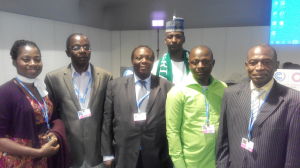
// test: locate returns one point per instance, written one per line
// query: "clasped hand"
(50, 147)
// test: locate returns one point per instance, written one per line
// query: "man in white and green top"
(192, 113)
(174, 64)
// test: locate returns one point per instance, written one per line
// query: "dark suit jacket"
(130, 137)
(276, 131)
(84, 136)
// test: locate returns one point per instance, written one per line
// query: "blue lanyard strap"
(83, 98)
(43, 106)
(204, 91)
(251, 120)
(139, 102)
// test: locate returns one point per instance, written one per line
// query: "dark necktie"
(141, 96)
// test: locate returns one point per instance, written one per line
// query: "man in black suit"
(260, 119)
(134, 117)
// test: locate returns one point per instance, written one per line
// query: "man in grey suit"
(134, 117)
(260, 119)
(78, 93)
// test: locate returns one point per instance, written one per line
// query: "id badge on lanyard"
(207, 128)
(247, 144)
(140, 115)
(84, 113)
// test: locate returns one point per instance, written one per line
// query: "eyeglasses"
(78, 47)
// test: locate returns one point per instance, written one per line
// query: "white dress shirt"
(266, 89)
(82, 83)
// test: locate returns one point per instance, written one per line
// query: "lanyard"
(77, 92)
(204, 91)
(43, 106)
(139, 102)
(251, 120)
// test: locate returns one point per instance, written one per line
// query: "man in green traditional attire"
(192, 113)
(174, 64)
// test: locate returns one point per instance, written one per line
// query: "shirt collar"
(75, 73)
(136, 79)
(190, 80)
(267, 87)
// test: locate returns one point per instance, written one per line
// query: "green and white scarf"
(164, 67)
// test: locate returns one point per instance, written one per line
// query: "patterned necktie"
(255, 103)
(141, 96)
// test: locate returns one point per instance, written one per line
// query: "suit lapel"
(70, 87)
(130, 93)
(95, 85)
(273, 101)
(154, 87)
(244, 100)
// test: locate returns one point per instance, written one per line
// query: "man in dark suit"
(134, 117)
(78, 92)
(259, 123)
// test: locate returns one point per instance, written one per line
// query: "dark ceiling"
(137, 14)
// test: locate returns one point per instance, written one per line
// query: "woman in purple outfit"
(30, 137)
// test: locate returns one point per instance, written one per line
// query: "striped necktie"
(256, 103)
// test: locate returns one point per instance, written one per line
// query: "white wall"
(229, 45)
(112, 49)
(50, 36)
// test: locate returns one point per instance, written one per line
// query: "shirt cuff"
(107, 158)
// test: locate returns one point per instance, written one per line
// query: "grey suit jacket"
(130, 137)
(84, 136)
(276, 131)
